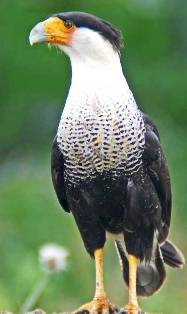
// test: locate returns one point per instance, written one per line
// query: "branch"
(42, 312)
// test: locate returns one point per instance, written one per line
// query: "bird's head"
(77, 33)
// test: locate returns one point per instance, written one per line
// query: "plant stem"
(32, 299)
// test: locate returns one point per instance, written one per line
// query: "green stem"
(32, 299)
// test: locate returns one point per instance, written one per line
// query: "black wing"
(57, 172)
(156, 165)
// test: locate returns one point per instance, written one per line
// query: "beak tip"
(37, 34)
(31, 41)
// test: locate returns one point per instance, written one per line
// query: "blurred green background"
(33, 87)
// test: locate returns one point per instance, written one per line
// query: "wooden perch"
(42, 312)
(38, 311)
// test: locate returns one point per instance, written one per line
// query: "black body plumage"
(137, 205)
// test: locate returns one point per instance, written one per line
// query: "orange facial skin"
(57, 32)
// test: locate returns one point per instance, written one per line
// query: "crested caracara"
(108, 166)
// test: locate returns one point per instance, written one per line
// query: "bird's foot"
(99, 305)
(131, 309)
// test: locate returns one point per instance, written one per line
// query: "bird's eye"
(68, 23)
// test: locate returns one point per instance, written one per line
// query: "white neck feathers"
(94, 61)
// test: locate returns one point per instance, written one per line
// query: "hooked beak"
(37, 34)
(53, 31)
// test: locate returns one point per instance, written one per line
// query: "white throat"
(96, 65)
(100, 81)
(94, 73)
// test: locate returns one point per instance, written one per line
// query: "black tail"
(172, 255)
(151, 276)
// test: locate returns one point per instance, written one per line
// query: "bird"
(108, 166)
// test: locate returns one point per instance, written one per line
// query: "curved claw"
(127, 310)
(97, 306)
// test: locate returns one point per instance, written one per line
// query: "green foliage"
(33, 83)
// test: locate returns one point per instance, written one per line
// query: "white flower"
(52, 257)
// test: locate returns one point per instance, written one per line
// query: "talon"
(100, 305)
(131, 309)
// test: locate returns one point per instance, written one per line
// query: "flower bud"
(52, 257)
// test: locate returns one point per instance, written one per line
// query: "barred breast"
(107, 136)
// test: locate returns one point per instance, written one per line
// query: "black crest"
(107, 30)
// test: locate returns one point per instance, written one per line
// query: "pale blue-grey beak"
(37, 34)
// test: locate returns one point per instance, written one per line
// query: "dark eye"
(68, 23)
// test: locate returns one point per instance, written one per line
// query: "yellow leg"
(132, 306)
(99, 290)
(100, 303)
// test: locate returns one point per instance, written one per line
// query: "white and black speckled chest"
(101, 134)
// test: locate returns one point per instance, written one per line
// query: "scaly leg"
(100, 303)
(99, 290)
(132, 306)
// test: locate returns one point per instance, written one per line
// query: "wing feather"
(57, 172)
(156, 165)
